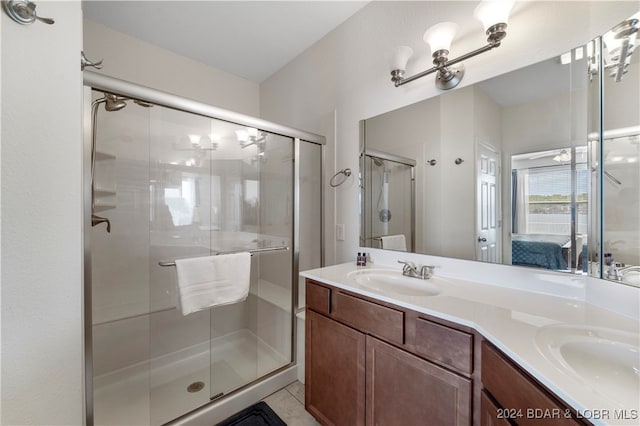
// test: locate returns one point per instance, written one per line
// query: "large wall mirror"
(519, 169)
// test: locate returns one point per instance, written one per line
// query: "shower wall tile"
(120, 344)
(170, 331)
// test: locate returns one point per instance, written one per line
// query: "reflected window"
(251, 202)
(181, 202)
(541, 202)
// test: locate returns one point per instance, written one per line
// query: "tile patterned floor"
(288, 404)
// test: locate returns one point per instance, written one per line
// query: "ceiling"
(251, 39)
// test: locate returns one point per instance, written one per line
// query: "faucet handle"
(426, 271)
(409, 268)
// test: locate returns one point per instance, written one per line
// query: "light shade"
(400, 58)
(439, 36)
(252, 132)
(563, 156)
(242, 135)
(491, 12)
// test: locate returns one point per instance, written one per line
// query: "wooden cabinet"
(519, 398)
(403, 389)
(335, 371)
(361, 368)
(490, 413)
(375, 363)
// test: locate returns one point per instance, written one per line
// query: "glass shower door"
(252, 210)
(179, 215)
(388, 203)
(120, 275)
(216, 188)
(172, 185)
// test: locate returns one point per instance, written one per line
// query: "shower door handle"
(97, 220)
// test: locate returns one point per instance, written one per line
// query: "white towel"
(208, 281)
(394, 242)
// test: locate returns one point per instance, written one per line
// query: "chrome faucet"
(613, 273)
(410, 270)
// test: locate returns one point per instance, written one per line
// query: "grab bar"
(252, 251)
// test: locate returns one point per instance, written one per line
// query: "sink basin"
(631, 277)
(605, 360)
(388, 281)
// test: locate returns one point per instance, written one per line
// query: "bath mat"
(259, 414)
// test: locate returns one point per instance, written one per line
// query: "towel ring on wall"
(345, 172)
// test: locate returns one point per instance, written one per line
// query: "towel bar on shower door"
(252, 251)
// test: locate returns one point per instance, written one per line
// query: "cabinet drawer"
(378, 320)
(318, 298)
(450, 347)
(514, 391)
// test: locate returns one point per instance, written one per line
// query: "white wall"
(347, 72)
(41, 216)
(143, 63)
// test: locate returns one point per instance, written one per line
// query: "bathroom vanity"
(386, 349)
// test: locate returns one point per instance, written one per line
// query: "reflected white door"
(488, 221)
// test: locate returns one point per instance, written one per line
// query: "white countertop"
(517, 320)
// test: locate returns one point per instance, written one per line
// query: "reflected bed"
(543, 251)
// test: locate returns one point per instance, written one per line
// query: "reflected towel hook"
(345, 172)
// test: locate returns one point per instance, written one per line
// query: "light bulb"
(252, 132)
(565, 58)
(242, 135)
(440, 36)
(401, 57)
(492, 12)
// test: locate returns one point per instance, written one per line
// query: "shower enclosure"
(614, 149)
(388, 199)
(170, 179)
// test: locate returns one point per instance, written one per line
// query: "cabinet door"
(403, 389)
(334, 372)
(527, 403)
(490, 412)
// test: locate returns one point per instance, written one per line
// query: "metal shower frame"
(100, 82)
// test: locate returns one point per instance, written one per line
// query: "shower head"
(378, 162)
(114, 103)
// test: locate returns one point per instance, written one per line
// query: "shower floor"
(155, 392)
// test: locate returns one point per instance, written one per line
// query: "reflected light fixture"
(493, 14)
(620, 43)
(563, 156)
(251, 136)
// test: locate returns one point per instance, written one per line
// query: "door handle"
(482, 240)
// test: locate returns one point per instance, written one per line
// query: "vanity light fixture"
(493, 14)
(250, 136)
(563, 156)
(620, 43)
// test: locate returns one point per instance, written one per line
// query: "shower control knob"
(482, 240)
(24, 12)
